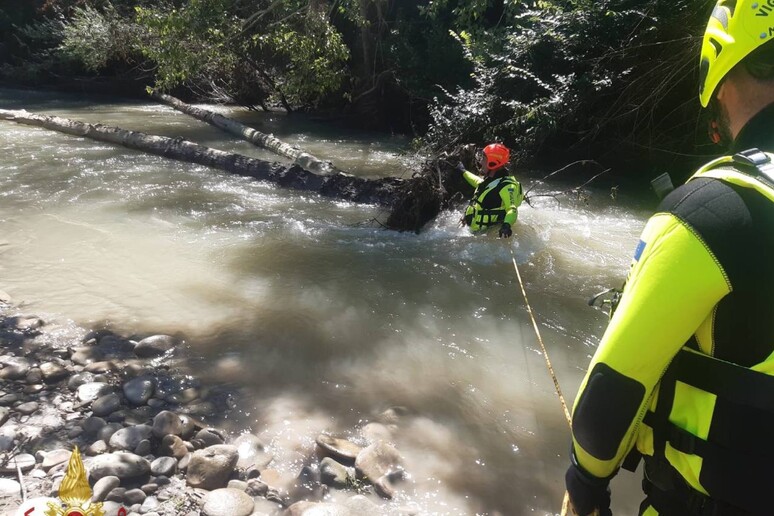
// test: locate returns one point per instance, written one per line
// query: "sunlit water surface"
(318, 320)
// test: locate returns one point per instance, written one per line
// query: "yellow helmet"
(736, 28)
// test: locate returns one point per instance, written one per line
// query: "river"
(319, 320)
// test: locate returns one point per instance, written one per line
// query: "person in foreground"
(684, 374)
(497, 196)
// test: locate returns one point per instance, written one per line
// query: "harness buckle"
(758, 159)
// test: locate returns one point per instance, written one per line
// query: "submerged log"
(413, 202)
(266, 141)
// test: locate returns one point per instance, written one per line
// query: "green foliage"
(189, 42)
(579, 75)
(93, 38)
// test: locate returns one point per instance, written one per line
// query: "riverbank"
(151, 434)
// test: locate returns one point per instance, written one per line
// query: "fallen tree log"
(266, 141)
(412, 202)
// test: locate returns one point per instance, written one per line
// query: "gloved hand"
(587, 493)
(505, 230)
(461, 167)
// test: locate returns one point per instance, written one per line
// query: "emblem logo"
(75, 492)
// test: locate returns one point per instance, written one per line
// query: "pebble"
(227, 502)
(5, 413)
(35, 375)
(187, 426)
(116, 495)
(376, 462)
(143, 448)
(14, 371)
(9, 399)
(87, 355)
(33, 389)
(102, 367)
(134, 496)
(96, 448)
(92, 425)
(112, 344)
(107, 431)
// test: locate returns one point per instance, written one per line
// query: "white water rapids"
(318, 321)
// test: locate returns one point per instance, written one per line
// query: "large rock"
(227, 502)
(126, 466)
(154, 346)
(211, 467)
(55, 458)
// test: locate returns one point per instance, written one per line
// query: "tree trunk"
(412, 202)
(267, 141)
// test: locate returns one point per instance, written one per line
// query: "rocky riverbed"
(149, 435)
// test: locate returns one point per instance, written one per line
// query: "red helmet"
(497, 156)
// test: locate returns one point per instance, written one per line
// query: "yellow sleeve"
(511, 197)
(674, 283)
(472, 179)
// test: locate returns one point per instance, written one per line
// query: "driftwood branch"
(266, 141)
(342, 186)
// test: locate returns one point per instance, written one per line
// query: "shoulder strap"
(752, 168)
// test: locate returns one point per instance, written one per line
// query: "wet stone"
(313, 509)
(79, 379)
(252, 452)
(87, 355)
(107, 431)
(14, 371)
(9, 399)
(92, 390)
(154, 346)
(339, 449)
(92, 425)
(166, 423)
(139, 390)
(173, 446)
(210, 437)
(335, 474)
(112, 344)
(34, 375)
(211, 467)
(377, 461)
(106, 404)
(143, 448)
(102, 367)
(27, 408)
(53, 372)
(227, 502)
(163, 466)
(33, 389)
(187, 426)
